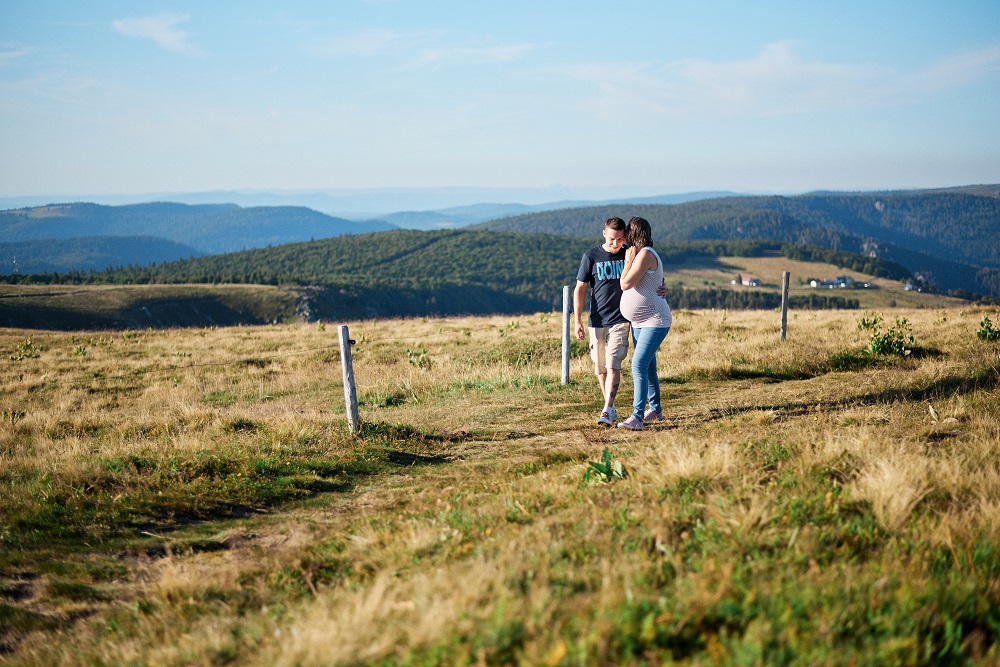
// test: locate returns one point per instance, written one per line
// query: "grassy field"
(193, 497)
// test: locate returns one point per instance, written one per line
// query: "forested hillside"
(210, 228)
(408, 272)
(86, 253)
(951, 239)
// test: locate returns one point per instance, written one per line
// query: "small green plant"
(893, 341)
(80, 351)
(869, 321)
(987, 332)
(418, 359)
(26, 349)
(604, 470)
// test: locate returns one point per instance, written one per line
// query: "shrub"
(893, 341)
(987, 331)
(26, 349)
(869, 321)
(897, 340)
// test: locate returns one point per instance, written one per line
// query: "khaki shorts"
(608, 346)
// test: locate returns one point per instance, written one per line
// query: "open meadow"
(194, 497)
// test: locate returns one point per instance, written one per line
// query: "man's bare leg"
(602, 379)
(609, 385)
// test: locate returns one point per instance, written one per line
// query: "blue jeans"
(647, 383)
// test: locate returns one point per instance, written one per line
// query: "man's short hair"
(615, 223)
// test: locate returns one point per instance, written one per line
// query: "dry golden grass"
(778, 500)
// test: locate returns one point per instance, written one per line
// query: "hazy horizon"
(359, 203)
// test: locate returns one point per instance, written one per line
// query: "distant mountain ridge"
(948, 238)
(463, 216)
(355, 203)
(208, 228)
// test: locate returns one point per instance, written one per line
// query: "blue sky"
(646, 97)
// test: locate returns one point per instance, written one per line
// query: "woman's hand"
(632, 272)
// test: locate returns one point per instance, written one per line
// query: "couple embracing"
(625, 276)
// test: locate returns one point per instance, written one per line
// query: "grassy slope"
(718, 272)
(192, 497)
(141, 306)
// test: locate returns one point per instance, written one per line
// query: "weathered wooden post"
(350, 391)
(784, 303)
(565, 334)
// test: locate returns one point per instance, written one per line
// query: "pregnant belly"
(633, 305)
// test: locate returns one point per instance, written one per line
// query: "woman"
(650, 318)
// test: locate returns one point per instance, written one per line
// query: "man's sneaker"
(608, 416)
(633, 423)
(652, 416)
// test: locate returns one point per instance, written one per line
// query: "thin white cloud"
(957, 70)
(285, 22)
(376, 42)
(419, 48)
(775, 82)
(7, 57)
(162, 30)
(475, 55)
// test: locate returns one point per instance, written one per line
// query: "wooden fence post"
(565, 334)
(350, 391)
(784, 303)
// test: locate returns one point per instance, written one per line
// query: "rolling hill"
(88, 253)
(407, 273)
(950, 239)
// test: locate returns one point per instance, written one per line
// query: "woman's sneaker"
(633, 423)
(652, 416)
(608, 416)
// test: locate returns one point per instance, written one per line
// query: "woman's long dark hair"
(638, 234)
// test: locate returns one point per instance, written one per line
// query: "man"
(600, 269)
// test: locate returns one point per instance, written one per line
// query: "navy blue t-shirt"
(603, 271)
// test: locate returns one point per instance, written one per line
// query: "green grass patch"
(495, 384)
(123, 496)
